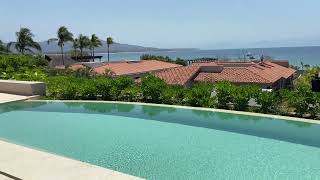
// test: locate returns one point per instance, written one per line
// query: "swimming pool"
(166, 142)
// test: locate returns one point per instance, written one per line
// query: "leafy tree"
(152, 87)
(63, 36)
(24, 41)
(305, 101)
(109, 42)
(200, 95)
(94, 42)
(306, 77)
(84, 42)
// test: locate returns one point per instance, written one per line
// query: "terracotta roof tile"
(235, 75)
(179, 75)
(135, 67)
(262, 73)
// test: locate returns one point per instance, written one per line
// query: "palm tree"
(63, 36)
(75, 46)
(84, 42)
(94, 42)
(24, 41)
(109, 42)
(302, 65)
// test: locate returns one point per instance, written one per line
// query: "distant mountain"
(116, 47)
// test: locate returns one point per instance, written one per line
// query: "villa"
(266, 74)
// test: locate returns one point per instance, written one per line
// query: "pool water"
(166, 143)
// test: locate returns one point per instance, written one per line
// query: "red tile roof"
(232, 74)
(75, 67)
(179, 75)
(261, 73)
(134, 67)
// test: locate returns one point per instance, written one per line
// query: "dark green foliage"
(200, 95)
(152, 87)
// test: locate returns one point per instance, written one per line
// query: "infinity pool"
(165, 142)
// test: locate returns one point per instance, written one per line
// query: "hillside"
(117, 47)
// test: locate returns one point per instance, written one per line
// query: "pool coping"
(7, 98)
(28, 163)
(272, 116)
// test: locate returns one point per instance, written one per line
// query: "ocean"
(295, 55)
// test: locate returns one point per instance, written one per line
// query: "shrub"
(104, 86)
(241, 96)
(304, 101)
(120, 83)
(269, 101)
(200, 95)
(224, 91)
(62, 87)
(152, 88)
(22, 67)
(131, 94)
(87, 89)
(173, 95)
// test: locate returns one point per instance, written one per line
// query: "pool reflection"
(290, 131)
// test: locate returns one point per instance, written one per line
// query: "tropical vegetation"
(83, 84)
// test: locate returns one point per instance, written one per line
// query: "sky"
(205, 24)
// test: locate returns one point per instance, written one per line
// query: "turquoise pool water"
(166, 143)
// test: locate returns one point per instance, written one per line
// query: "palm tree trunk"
(93, 54)
(62, 54)
(108, 53)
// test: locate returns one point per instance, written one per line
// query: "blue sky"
(206, 24)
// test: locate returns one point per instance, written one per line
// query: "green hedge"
(154, 90)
